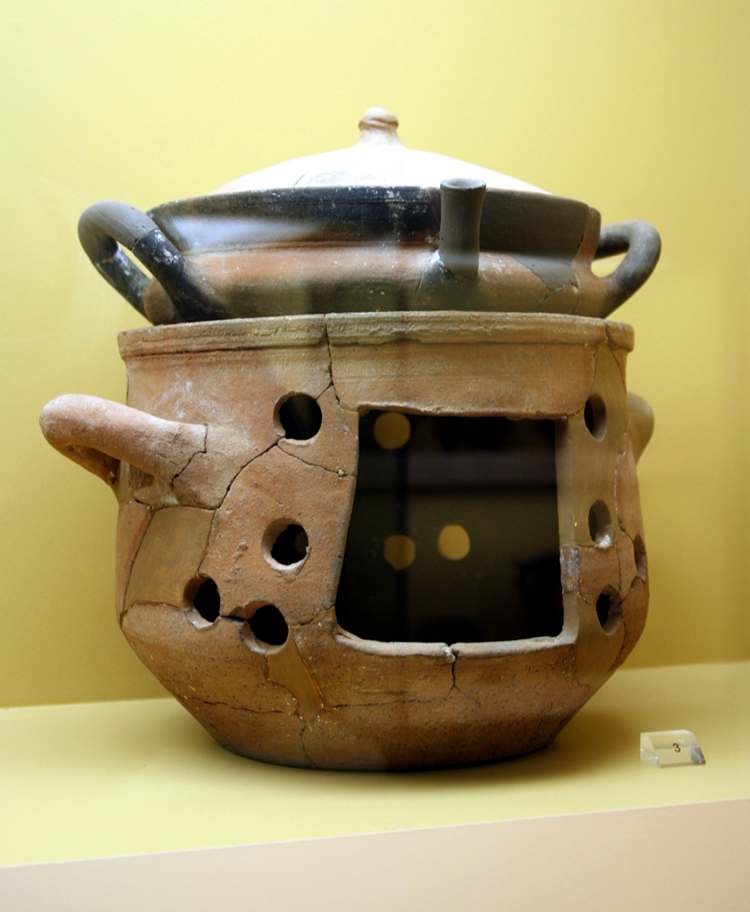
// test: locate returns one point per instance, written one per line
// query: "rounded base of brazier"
(377, 706)
(398, 759)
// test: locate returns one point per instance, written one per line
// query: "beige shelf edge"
(105, 779)
(615, 860)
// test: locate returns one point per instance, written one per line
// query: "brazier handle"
(642, 244)
(641, 419)
(99, 434)
(106, 225)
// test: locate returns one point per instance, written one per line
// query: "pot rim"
(511, 220)
(429, 327)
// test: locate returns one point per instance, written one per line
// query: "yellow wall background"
(639, 108)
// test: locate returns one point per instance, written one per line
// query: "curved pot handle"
(642, 244)
(99, 434)
(105, 225)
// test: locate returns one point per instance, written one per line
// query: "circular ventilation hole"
(600, 524)
(641, 562)
(300, 417)
(391, 430)
(268, 627)
(203, 601)
(287, 543)
(454, 543)
(595, 417)
(608, 610)
(399, 551)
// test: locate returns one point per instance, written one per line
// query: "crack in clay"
(339, 472)
(265, 712)
(295, 712)
(126, 586)
(620, 579)
(231, 349)
(215, 510)
(302, 732)
(594, 549)
(530, 271)
(636, 575)
(528, 266)
(611, 345)
(609, 332)
(404, 699)
(241, 469)
(236, 708)
(398, 694)
(329, 346)
(272, 683)
(553, 291)
(406, 702)
(192, 456)
(145, 603)
(168, 485)
(620, 458)
(308, 694)
(454, 670)
(330, 384)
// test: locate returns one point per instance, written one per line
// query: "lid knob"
(378, 125)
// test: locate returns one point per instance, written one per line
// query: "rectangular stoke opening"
(454, 531)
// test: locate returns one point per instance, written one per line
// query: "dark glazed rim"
(512, 221)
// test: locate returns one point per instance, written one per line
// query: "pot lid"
(377, 159)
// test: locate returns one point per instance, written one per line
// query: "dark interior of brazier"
(454, 532)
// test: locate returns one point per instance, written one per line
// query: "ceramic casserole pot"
(376, 227)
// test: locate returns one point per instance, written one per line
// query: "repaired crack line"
(329, 346)
(192, 456)
(125, 606)
(236, 708)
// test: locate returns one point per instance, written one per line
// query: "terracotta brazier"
(397, 524)
(207, 487)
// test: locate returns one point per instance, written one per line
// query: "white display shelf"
(93, 781)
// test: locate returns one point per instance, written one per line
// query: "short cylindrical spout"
(461, 201)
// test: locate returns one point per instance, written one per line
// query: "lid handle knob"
(378, 125)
